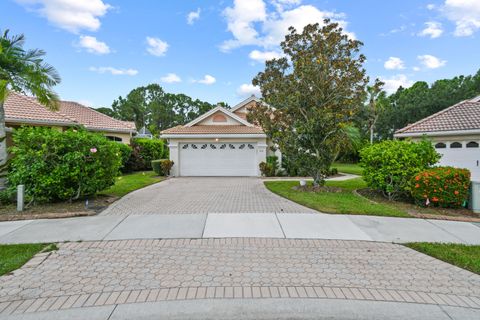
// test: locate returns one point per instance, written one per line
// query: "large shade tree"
(151, 106)
(311, 95)
(23, 71)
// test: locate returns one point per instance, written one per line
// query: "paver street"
(118, 272)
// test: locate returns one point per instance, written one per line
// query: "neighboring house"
(144, 133)
(455, 133)
(21, 110)
(220, 142)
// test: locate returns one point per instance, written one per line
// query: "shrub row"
(162, 167)
(144, 151)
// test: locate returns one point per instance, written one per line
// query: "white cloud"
(432, 29)
(171, 78)
(93, 45)
(393, 83)
(156, 47)
(71, 15)
(431, 62)
(248, 89)
(251, 24)
(262, 56)
(240, 22)
(416, 68)
(114, 71)
(431, 6)
(465, 14)
(192, 16)
(394, 63)
(207, 79)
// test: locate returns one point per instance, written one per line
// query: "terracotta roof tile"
(23, 109)
(93, 119)
(461, 116)
(213, 129)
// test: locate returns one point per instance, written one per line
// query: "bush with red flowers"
(445, 187)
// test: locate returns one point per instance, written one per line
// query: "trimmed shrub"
(157, 167)
(267, 169)
(55, 165)
(273, 161)
(166, 165)
(125, 152)
(445, 187)
(144, 151)
(389, 166)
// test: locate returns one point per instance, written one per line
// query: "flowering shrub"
(144, 151)
(55, 165)
(162, 167)
(442, 186)
(389, 166)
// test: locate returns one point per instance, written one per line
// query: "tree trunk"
(3, 149)
(371, 134)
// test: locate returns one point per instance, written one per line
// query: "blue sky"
(212, 49)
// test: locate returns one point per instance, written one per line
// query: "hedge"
(144, 151)
(55, 165)
(389, 166)
(442, 186)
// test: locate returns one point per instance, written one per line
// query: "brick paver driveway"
(205, 195)
(117, 272)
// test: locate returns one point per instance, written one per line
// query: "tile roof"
(213, 129)
(93, 119)
(23, 109)
(464, 115)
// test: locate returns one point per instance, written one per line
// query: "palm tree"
(23, 71)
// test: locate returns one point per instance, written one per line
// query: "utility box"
(475, 197)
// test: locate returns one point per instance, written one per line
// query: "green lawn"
(342, 202)
(131, 182)
(351, 168)
(463, 256)
(13, 256)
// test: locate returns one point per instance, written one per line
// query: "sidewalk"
(244, 225)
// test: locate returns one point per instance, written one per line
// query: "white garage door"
(218, 159)
(462, 157)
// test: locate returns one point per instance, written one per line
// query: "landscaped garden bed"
(123, 185)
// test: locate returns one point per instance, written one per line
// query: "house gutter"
(199, 136)
(437, 133)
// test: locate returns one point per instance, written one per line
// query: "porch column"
(174, 156)
(261, 154)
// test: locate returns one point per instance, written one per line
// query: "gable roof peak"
(221, 109)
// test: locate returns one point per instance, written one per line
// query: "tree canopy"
(312, 93)
(158, 110)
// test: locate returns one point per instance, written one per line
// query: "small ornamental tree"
(55, 165)
(389, 166)
(312, 93)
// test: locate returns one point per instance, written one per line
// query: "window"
(113, 138)
(472, 144)
(440, 145)
(455, 145)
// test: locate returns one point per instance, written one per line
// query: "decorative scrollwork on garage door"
(242, 146)
(250, 146)
(223, 146)
(194, 146)
(204, 146)
(185, 146)
(213, 146)
(231, 146)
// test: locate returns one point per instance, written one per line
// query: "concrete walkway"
(244, 225)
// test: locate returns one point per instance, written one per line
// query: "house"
(220, 142)
(144, 133)
(455, 133)
(21, 110)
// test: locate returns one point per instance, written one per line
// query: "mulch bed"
(57, 210)
(460, 214)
